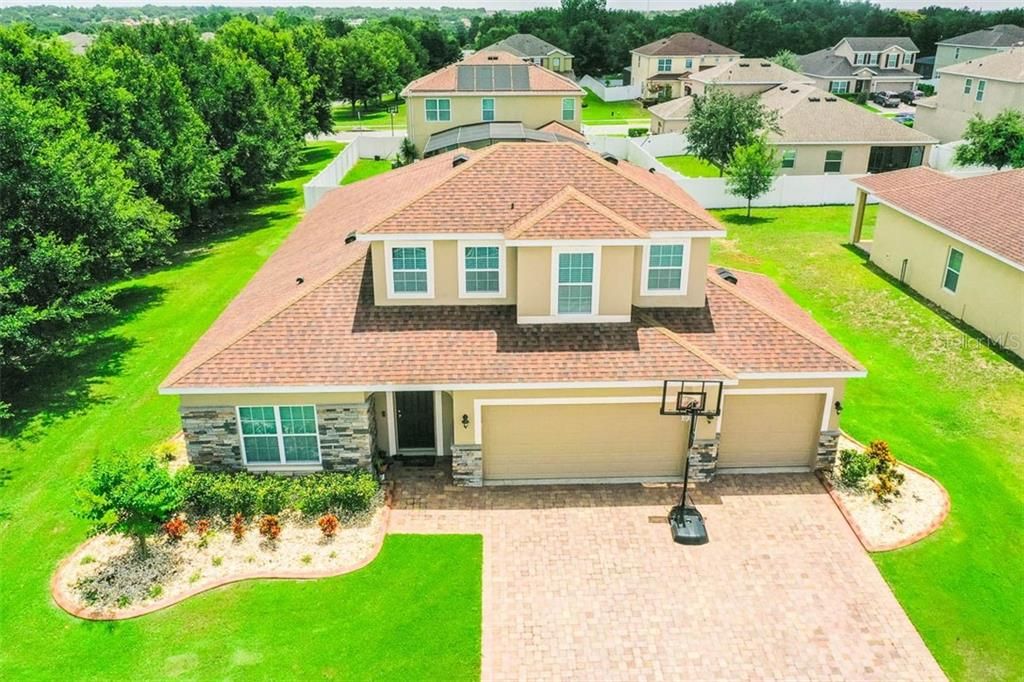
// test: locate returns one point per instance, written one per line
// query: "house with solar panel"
(489, 97)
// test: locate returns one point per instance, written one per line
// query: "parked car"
(888, 100)
(910, 97)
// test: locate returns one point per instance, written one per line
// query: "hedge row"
(224, 495)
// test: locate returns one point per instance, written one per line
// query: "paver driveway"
(584, 582)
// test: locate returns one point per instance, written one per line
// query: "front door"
(414, 420)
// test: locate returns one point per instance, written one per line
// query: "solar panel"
(503, 77)
(466, 78)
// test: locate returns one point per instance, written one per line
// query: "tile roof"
(1000, 35)
(1006, 66)
(571, 214)
(683, 45)
(880, 43)
(537, 79)
(559, 128)
(827, 63)
(984, 210)
(336, 336)
(747, 71)
(524, 45)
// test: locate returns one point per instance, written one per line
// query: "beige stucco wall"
(810, 158)
(644, 66)
(446, 278)
(954, 108)
(844, 50)
(700, 250)
(565, 61)
(660, 125)
(989, 295)
(534, 284)
(873, 86)
(533, 111)
(616, 289)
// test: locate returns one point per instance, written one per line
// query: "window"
(408, 271)
(574, 293)
(568, 109)
(664, 65)
(833, 161)
(956, 54)
(967, 86)
(481, 270)
(857, 57)
(487, 109)
(557, 62)
(892, 61)
(689, 63)
(910, 58)
(980, 94)
(439, 109)
(839, 87)
(279, 435)
(664, 269)
(954, 263)
(788, 158)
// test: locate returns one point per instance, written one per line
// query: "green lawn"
(690, 166)
(596, 112)
(365, 168)
(945, 403)
(414, 613)
(376, 117)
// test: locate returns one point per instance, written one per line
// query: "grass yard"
(412, 614)
(365, 168)
(945, 403)
(597, 112)
(375, 117)
(690, 166)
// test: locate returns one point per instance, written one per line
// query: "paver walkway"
(584, 582)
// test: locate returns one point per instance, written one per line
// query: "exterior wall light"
(465, 421)
(839, 407)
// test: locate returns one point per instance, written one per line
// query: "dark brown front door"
(415, 420)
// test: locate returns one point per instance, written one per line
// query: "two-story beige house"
(468, 103)
(986, 86)
(515, 309)
(662, 66)
(863, 64)
(537, 51)
(977, 44)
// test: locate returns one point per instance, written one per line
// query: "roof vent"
(812, 98)
(350, 237)
(727, 275)
(744, 65)
(492, 57)
(830, 99)
(766, 64)
(652, 170)
(610, 158)
(783, 87)
(795, 90)
(299, 280)
(459, 160)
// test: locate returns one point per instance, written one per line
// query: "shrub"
(307, 559)
(854, 467)
(155, 591)
(348, 493)
(238, 526)
(637, 132)
(888, 477)
(862, 97)
(328, 525)
(165, 452)
(202, 527)
(176, 528)
(270, 527)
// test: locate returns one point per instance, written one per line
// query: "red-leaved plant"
(270, 527)
(328, 525)
(238, 526)
(176, 528)
(202, 527)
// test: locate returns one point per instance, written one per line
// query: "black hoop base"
(687, 526)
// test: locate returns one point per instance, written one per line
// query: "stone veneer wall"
(828, 444)
(467, 465)
(704, 459)
(348, 434)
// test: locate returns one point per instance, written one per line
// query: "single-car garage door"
(620, 440)
(778, 430)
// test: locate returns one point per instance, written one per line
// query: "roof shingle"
(538, 79)
(684, 45)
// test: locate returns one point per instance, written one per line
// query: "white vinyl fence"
(605, 93)
(362, 147)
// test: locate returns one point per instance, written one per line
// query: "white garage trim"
(438, 425)
(392, 429)
(480, 403)
(826, 411)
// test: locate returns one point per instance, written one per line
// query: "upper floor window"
(788, 158)
(954, 263)
(284, 434)
(910, 58)
(575, 282)
(439, 109)
(481, 270)
(487, 109)
(664, 65)
(968, 83)
(872, 58)
(833, 161)
(568, 109)
(408, 270)
(980, 94)
(689, 63)
(557, 63)
(892, 61)
(956, 53)
(664, 269)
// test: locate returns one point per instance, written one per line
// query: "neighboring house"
(863, 65)
(517, 309)
(820, 133)
(533, 49)
(488, 87)
(986, 86)
(959, 242)
(79, 42)
(977, 44)
(925, 66)
(662, 66)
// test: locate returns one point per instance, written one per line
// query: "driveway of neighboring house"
(584, 582)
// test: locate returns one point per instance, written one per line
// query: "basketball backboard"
(687, 397)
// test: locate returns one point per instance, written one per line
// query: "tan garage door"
(770, 430)
(619, 440)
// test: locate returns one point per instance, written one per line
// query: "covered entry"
(581, 441)
(770, 430)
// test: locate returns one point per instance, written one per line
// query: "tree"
(786, 60)
(997, 142)
(752, 170)
(720, 122)
(407, 153)
(126, 494)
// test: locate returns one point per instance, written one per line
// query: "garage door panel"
(770, 430)
(620, 440)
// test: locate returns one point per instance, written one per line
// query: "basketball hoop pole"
(691, 432)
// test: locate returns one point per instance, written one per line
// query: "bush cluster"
(224, 495)
(854, 467)
(637, 132)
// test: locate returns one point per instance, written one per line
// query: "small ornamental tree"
(997, 142)
(786, 60)
(752, 171)
(720, 122)
(128, 494)
(407, 153)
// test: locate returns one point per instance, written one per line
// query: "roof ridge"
(703, 355)
(721, 284)
(269, 316)
(559, 199)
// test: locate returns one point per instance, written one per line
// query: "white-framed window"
(910, 57)
(872, 58)
(968, 84)
(857, 56)
(665, 269)
(839, 87)
(575, 276)
(956, 54)
(568, 109)
(689, 62)
(486, 108)
(788, 158)
(954, 264)
(410, 270)
(664, 65)
(892, 61)
(279, 434)
(438, 109)
(980, 93)
(833, 161)
(557, 63)
(481, 270)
